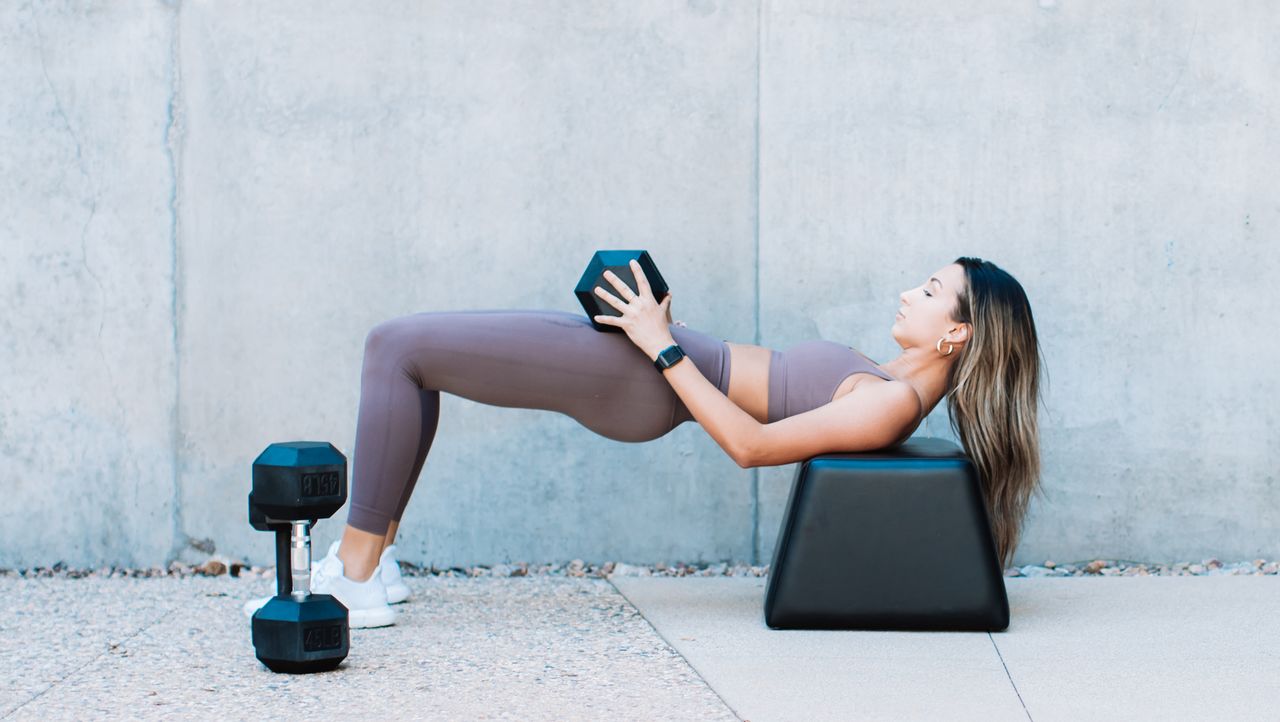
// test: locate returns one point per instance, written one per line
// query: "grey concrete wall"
(88, 361)
(206, 206)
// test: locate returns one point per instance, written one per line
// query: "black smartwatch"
(668, 357)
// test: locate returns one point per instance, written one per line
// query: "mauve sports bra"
(807, 375)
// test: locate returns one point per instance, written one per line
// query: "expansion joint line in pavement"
(672, 647)
(1010, 676)
(110, 646)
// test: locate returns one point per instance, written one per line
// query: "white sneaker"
(366, 601)
(389, 569)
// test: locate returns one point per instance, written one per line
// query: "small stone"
(520, 571)
(1196, 569)
(213, 568)
(1213, 563)
(628, 570)
(1095, 566)
(1032, 570)
(1049, 564)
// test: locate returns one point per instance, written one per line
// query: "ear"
(960, 334)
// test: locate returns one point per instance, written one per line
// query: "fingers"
(609, 298)
(618, 283)
(641, 282)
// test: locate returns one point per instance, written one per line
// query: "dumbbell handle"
(301, 561)
(293, 552)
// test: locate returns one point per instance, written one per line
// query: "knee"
(387, 349)
(381, 338)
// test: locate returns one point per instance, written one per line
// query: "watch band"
(668, 357)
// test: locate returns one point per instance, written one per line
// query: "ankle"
(359, 552)
(357, 569)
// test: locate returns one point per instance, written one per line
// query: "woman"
(967, 333)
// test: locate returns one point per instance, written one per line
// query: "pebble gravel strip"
(218, 566)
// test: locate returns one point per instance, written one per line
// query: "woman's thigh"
(541, 359)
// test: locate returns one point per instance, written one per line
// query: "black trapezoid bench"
(895, 539)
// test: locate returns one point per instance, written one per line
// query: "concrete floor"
(546, 647)
(1084, 648)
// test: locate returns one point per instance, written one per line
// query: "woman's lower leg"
(395, 413)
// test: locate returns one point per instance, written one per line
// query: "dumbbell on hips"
(294, 484)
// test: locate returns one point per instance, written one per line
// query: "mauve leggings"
(532, 359)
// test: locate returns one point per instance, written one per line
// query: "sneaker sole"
(365, 618)
(397, 593)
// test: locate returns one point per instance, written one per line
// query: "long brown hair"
(994, 396)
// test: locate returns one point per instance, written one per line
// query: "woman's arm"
(729, 425)
(868, 417)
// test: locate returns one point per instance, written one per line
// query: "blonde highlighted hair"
(994, 395)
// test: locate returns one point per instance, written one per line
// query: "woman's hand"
(643, 318)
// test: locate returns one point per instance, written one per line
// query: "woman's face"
(925, 314)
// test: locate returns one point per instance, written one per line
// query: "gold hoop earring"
(950, 347)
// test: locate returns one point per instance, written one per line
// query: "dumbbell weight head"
(297, 636)
(297, 480)
(620, 263)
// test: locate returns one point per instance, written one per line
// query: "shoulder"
(896, 399)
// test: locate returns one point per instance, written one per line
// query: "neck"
(925, 371)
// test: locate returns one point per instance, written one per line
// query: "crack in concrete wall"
(173, 141)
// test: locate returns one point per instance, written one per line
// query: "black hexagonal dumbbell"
(295, 483)
(620, 263)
